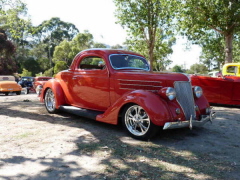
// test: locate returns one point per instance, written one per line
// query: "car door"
(90, 84)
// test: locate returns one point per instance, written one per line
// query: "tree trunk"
(151, 59)
(228, 48)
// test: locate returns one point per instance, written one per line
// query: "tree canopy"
(201, 19)
(147, 23)
(7, 50)
(152, 27)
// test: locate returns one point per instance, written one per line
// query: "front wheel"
(137, 123)
(50, 101)
(38, 89)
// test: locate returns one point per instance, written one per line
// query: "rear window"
(7, 78)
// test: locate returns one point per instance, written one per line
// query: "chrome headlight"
(171, 93)
(167, 93)
(198, 91)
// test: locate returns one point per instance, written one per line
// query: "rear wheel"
(6, 93)
(50, 101)
(137, 123)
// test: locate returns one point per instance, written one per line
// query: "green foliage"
(117, 46)
(25, 72)
(199, 20)
(13, 20)
(148, 23)
(67, 50)
(54, 31)
(160, 52)
(197, 69)
(59, 66)
(177, 68)
(99, 45)
(212, 55)
(48, 72)
(31, 64)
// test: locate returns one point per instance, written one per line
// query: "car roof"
(7, 78)
(109, 51)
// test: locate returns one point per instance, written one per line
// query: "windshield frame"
(130, 68)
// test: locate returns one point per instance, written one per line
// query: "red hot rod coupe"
(219, 90)
(116, 85)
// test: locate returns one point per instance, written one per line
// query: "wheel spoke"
(134, 126)
(142, 127)
(137, 121)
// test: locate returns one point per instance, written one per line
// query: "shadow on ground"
(211, 152)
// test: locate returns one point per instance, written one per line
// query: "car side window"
(232, 69)
(92, 62)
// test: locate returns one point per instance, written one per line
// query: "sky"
(97, 16)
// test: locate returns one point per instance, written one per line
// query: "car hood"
(151, 78)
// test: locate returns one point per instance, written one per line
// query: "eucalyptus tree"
(161, 49)
(13, 19)
(47, 36)
(202, 17)
(197, 69)
(54, 31)
(177, 68)
(236, 47)
(144, 20)
(117, 46)
(213, 48)
(67, 50)
(99, 45)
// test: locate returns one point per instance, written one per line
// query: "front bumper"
(39, 90)
(190, 123)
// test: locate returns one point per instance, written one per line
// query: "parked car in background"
(223, 87)
(116, 85)
(214, 73)
(39, 82)
(231, 69)
(9, 85)
(27, 83)
(219, 90)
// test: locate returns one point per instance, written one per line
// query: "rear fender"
(152, 104)
(57, 90)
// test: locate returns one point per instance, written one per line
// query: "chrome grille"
(185, 98)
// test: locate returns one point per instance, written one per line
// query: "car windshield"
(127, 61)
(27, 78)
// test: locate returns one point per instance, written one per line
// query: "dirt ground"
(36, 145)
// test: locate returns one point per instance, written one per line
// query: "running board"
(91, 114)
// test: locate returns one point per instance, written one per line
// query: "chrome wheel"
(50, 101)
(137, 121)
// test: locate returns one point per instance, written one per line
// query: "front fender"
(152, 104)
(57, 90)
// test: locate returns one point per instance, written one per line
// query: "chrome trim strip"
(138, 89)
(141, 85)
(139, 81)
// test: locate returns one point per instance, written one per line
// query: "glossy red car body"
(38, 83)
(40, 80)
(107, 90)
(219, 90)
